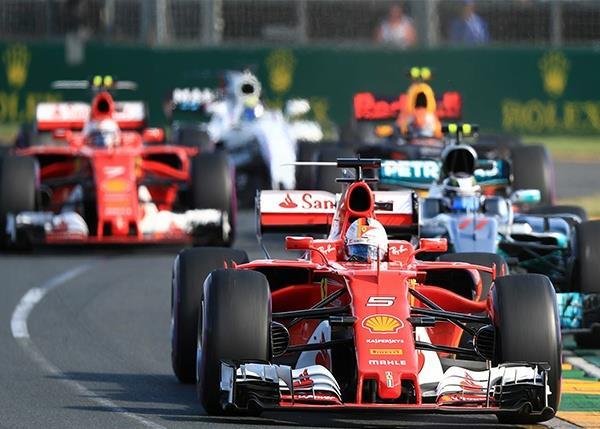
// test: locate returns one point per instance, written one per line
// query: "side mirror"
(384, 130)
(61, 134)
(296, 107)
(153, 135)
(298, 243)
(526, 196)
(433, 245)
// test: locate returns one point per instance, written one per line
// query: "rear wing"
(421, 174)
(368, 107)
(130, 115)
(314, 211)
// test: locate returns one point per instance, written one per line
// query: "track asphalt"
(85, 343)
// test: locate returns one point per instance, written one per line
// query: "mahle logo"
(554, 67)
(281, 64)
(16, 60)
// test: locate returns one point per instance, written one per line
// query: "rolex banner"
(529, 91)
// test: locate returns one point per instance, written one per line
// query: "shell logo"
(115, 185)
(382, 324)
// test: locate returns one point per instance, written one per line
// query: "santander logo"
(288, 203)
(308, 201)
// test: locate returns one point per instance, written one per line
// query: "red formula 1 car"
(103, 178)
(322, 332)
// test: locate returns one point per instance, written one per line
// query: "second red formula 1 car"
(360, 322)
(103, 178)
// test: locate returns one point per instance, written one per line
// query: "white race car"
(259, 140)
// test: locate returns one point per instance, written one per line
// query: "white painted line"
(18, 321)
(18, 325)
(589, 368)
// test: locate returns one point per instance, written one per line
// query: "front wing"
(509, 389)
(69, 228)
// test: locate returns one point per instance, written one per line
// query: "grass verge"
(591, 203)
(8, 132)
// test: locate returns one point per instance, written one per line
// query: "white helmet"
(463, 191)
(461, 184)
(104, 133)
(364, 239)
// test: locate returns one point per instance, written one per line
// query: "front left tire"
(525, 317)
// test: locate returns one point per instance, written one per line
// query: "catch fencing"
(298, 22)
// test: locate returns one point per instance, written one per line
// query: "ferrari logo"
(323, 288)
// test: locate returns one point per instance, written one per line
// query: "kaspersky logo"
(288, 203)
(554, 67)
(16, 60)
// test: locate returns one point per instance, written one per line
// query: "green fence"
(515, 90)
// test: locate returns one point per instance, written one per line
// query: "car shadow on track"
(160, 398)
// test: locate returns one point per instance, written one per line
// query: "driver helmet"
(102, 134)
(366, 241)
(422, 124)
(463, 191)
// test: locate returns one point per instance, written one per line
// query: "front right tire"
(18, 191)
(190, 269)
(235, 325)
(532, 168)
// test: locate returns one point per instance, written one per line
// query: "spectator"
(470, 28)
(397, 29)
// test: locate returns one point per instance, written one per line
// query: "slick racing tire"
(498, 141)
(190, 269)
(235, 325)
(558, 210)
(213, 187)
(587, 340)
(191, 135)
(532, 169)
(495, 145)
(527, 326)
(18, 178)
(587, 264)
(325, 178)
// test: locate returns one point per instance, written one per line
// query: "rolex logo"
(554, 67)
(16, 60)
(280, 65)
